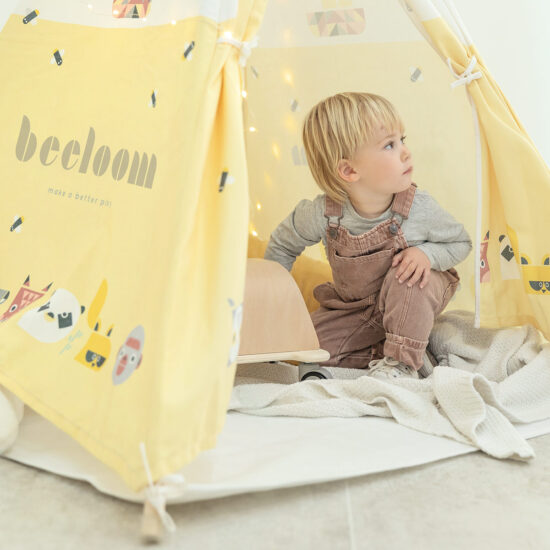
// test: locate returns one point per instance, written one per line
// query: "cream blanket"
(487, 380)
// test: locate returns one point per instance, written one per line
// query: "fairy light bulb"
(287, 76)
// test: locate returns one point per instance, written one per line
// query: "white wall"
(514, 41)
(6, 6)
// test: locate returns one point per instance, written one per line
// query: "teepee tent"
(148, 149)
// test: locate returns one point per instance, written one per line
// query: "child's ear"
(346, 170)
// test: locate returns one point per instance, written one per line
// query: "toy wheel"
(309, 375)
(313, 372)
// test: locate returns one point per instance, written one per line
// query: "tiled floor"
(469, 502)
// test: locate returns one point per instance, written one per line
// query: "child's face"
(380, 165)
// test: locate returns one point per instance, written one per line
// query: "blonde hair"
(336, 127)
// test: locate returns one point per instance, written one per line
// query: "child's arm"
(302, 227)
(448, 243)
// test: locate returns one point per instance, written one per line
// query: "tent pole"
(151, 525)
(479, 201)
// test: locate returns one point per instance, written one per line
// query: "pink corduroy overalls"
(366, 313)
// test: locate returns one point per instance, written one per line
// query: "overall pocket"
(359, 276)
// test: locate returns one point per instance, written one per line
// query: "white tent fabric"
(254, 454)
(492, 396)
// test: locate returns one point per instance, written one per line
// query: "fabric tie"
(244, 47)
(467, 76)
(156, 493)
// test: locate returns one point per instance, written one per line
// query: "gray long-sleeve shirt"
(428, 227)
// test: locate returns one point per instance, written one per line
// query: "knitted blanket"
(486, 380)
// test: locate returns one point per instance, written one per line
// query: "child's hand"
(413, 261)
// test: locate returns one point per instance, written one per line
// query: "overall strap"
(333, 213)
(402, 202)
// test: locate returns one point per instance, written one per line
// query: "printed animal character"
(484, 271)
(55, 319)
(237, 313)
(129, 355)
(25, 297)
(536, 278)
(509, 268)
(98, 347)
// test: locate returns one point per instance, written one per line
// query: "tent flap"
(125, 194)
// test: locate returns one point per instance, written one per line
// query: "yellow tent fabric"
(514, 177)
(129, 199)
(309, 51)
(484, 169)
(124, 199)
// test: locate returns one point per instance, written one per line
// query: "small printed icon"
(188, 50)
(416, 74)
(225, 179)
(57, 57)
(153, 99)
(131, 9)
(31, 17)
(17, 224)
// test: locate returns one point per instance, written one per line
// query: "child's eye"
(391, 142)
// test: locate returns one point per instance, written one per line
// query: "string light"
(252, 129)
(258, 206)
(290, 123)
(287, 76)
(243, 93)
(252, 229)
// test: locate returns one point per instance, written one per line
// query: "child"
(390, 245)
